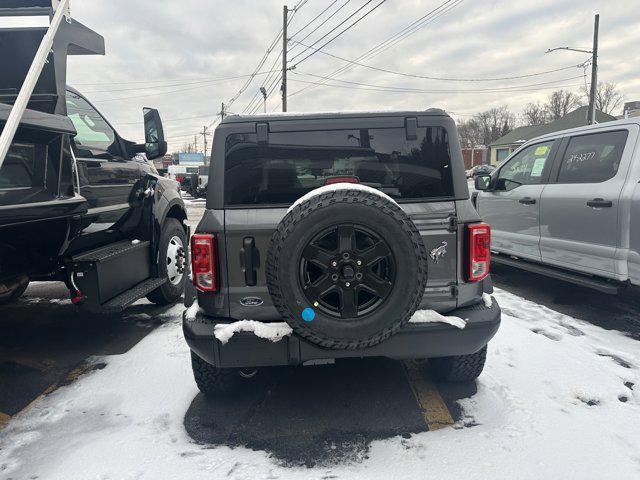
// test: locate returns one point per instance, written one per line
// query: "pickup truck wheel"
(15, 292)
(214, 381)
(461, 368)
(172, 258)
(346, 268)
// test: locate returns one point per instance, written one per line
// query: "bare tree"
(495, 123)
(470, 133)
(486, 127)
(560, 103)
(608, 97)
(534, 114)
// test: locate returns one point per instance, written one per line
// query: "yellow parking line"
(436, 413)
(72, 376)
(4, 419)
(43, 366)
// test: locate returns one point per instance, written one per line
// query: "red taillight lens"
(345, 179)
(479, 251)
(180, 179)
(203, 262)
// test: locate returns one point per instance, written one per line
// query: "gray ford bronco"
(330, 236)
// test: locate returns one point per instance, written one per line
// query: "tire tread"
(317, 203)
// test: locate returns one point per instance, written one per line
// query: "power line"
(384, 88)
(426, 19)
(314, 19)
(273, 74)
(264, 58)
(448, 79)
(260, 64)
(430, 91)
(168, 120)
(273, 77)
(198, 82)
(325, 21)
(334, 29)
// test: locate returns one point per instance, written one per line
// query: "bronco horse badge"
(437, 253)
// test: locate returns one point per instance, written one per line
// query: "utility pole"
(285, 41)
(222, 112)
(594, 73)
(205, 133)
(591, 114)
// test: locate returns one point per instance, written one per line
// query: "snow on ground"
(559, 398)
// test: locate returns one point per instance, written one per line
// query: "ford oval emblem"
(251, 301)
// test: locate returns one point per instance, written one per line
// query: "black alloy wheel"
(347, 271)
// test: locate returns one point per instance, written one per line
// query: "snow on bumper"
(415, 340)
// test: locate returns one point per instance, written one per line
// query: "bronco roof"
(435, 112)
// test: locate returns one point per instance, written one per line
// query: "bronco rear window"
(294, 163)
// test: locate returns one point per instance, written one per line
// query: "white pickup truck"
(567, 205)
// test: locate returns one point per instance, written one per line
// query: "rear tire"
(214, 381)
(14, 294)
(171, 237)
(460, 368)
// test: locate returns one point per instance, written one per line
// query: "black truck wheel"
(214, 381)
(15, 292)
(346, 268)
(460, 368)
(172, 258)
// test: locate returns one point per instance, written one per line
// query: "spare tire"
(346, 267)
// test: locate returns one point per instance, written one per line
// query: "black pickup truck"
(77, 202)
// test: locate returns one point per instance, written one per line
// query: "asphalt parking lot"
(301, 416)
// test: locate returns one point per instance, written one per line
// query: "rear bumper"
(412, 341)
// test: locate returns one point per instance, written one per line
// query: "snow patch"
(431, 316)
(341, 186)
(192, 311)
(60, 301)
(269, 331)
(488, 301)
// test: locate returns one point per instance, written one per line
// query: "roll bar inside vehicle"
(67, 213)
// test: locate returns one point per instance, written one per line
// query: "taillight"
(479, 251)
(203, 262)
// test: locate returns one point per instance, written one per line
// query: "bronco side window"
(295, 163)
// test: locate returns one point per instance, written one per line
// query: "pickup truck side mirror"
(483, 182)
(155, 144)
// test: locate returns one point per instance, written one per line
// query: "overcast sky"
(165, 46)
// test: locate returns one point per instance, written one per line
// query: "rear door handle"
(249, 261)
(527, 201)
(599, 203)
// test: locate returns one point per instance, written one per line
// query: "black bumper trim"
(415, 340)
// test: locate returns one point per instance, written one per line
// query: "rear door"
(580, 226)
(262, 178)
(106, 176)
(512, 207)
